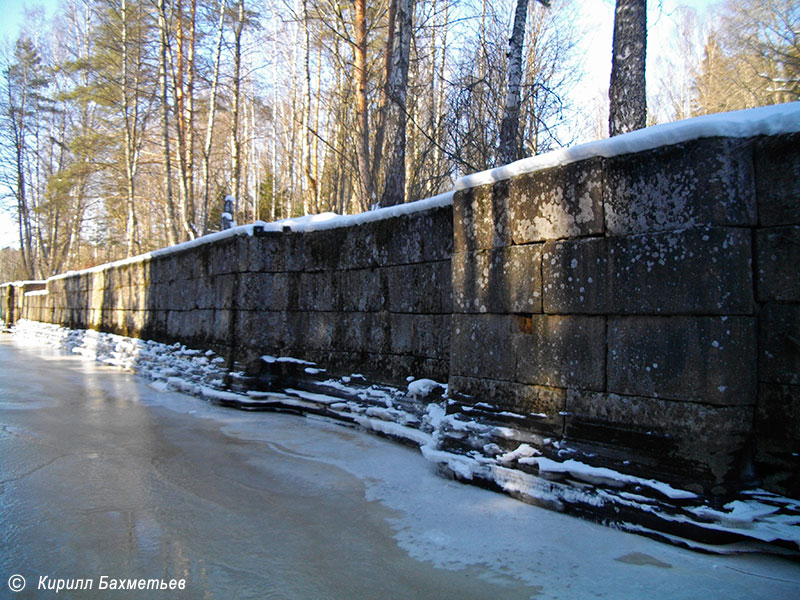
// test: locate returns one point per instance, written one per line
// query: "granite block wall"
(373, 299)
(645, 305)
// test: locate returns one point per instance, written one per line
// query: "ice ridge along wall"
(638, 310)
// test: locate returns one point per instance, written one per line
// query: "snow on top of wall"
(332, 220)
(299, 224)
(767, 120)
(206, 239)
(24, 282)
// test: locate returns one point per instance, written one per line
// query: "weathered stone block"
(223, 258)
(436, 233)
(222, 326)
(295, 249)
(225, 290)
(778, 251)
(140, 275)
(397, 242)
(318, 291)
(353, 332)
(777, 169)
(504, 280)
(416, 288)
(172, 268)
(267, 253)
(155, 271)
(75, 318)
(358, 249)
(95, 318)
(193, 264)
(401, 333)
(321, 330)
(479, 346)
(322, 248)
(546, 403)
(693, 271)
(292, 282)
(158, 296)
(699, 446)
(575, 277)
(253, 290)
(480, 218)
(202, 320)
(777, 438)
(431, 336)
(135, 322)
(378, 337)
(264, 331)
(779, 344)
(179, 296)
(697, 359)
(112, 278)
(362, 290)
(556, 203)
(444, 278)
(703, 182)
(203, 290)
(558, 351)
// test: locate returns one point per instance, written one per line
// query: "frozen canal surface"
(104, 475)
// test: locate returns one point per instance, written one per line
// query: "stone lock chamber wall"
(644, 307)
(640, 311)
(372, 298)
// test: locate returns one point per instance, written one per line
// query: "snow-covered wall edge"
(766, 120)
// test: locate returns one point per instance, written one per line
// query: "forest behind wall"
(125, 123)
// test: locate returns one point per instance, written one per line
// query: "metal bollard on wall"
(227, 213)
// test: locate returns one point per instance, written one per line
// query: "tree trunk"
(183, 85)
(360, 50)
(383, 101)
(236, 144)
(131, 115)
(165, 148)
(395, 181)
(212, 111)
(509, 128)
(628, 101)
(310, 194)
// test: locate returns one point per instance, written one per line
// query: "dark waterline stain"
(638, 558)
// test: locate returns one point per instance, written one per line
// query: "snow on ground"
(758, 515)
(481, 536)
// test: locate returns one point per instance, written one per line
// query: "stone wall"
(12, 299)
(373, 298)
(646, 307)
(639, 312)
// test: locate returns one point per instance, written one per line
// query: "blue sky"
(13, 12)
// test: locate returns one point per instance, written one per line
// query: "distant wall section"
(372, 298)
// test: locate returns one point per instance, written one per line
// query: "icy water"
(103, 476)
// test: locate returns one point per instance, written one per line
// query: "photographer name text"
(104, 582)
